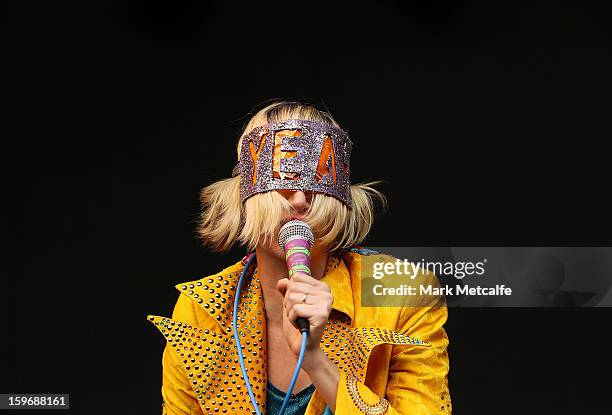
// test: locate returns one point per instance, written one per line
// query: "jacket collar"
(216, 293)
(338, 277)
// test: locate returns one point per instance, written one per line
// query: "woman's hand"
(323, 373)
(315, 309)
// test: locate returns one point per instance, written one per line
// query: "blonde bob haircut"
(225, 220)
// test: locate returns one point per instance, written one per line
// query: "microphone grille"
(294, 229)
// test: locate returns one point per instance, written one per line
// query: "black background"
(486, 120)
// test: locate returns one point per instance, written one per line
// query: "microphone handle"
(297, 255)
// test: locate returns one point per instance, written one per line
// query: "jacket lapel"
(210, 357)
(215, 295)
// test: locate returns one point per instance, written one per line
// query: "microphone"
(295, 238)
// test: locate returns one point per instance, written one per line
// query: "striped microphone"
(295, 238)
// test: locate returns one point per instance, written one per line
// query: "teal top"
(297, 402)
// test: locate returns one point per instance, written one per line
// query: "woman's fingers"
(281, 285)
(312, 312)
(311, 298)
(295, 295)
(301, 283)
(301, 287)
(321, 302)
(318, 295)
(307, 279)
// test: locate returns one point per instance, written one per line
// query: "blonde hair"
(225, 220)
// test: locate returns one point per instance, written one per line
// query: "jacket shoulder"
(361, 260)
(366, 258)
(191, 284)
(368, 271)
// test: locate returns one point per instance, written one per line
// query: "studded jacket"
(391, 360)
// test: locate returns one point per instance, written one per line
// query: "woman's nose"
(299, 200)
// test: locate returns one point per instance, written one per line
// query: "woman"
(294, 164)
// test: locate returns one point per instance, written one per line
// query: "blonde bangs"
(264, 214)
(225, 220)
(335, 225)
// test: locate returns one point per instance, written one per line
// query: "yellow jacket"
(391, 360)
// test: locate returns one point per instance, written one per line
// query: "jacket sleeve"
(177, 394)
(417, 378)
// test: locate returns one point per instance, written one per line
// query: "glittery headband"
(296, 155)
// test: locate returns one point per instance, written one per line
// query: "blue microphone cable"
(241, 357)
